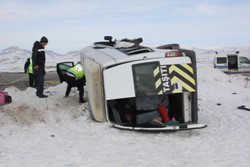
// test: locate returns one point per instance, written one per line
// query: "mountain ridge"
(13, 58)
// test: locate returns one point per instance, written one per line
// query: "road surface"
(21, 80)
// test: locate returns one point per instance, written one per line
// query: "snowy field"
(59, 132)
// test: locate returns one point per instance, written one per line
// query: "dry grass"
(247, 78)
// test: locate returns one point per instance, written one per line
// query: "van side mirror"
(237, 52)
(139, 40)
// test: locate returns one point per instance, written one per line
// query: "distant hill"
(12, 59)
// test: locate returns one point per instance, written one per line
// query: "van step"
(166, 128)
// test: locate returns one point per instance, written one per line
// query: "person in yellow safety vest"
(29, 68)
(75, 77)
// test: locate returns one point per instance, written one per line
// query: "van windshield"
(144, 79)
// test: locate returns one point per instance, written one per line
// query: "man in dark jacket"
(38, 60)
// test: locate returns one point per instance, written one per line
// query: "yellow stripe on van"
(177, 91)
(160, 93)
(182, 73)
(183, 84)
(190, 69)
(156, 71)
(158, 83)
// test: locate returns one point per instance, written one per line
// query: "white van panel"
(118, 82)
(175, 60)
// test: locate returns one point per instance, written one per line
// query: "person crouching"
(75, 77)
(5, 98)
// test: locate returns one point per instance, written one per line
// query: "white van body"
(231, 63)
(125, 77)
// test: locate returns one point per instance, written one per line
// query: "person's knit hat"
(44, 39)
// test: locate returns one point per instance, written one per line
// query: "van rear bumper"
(165, 128)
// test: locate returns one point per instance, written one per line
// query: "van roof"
(225, 55)
(115, 52)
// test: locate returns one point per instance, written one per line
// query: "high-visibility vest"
(30, 67)
(76, 71)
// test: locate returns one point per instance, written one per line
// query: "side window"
(244, 60)
(221, 60)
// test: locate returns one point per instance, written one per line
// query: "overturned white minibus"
(140, 88)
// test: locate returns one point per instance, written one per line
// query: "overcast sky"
(73, 24)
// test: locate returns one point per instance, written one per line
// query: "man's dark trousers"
(39, 77)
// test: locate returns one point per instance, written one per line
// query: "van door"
(187, 107)
(232, 62)
(62, 67)
(244, 64)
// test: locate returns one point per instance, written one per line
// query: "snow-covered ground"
(59, 132)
